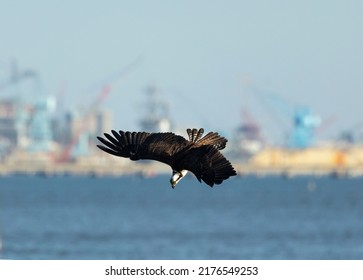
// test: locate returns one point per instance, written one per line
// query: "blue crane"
(303, 121)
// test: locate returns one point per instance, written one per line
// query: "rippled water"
(134, 218)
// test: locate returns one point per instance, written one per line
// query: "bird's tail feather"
(195, 134)
(212, 138)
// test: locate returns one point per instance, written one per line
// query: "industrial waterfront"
(39, 136)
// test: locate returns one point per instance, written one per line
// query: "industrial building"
(36, 136)
(31, 124)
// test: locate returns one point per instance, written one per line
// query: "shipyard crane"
(250, 125)
(304, 123)
(248, 139)
(103, 94)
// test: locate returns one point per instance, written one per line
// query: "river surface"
(144, 218)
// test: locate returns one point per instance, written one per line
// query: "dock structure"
(311, 161)
(270, 161)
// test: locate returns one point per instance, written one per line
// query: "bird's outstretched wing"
(143, 145)
(207, 164)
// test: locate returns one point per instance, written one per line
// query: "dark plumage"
(200, 155)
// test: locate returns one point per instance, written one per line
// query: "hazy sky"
(203, 55)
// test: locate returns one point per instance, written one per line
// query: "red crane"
(100, 98)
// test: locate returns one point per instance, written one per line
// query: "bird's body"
(198, 155)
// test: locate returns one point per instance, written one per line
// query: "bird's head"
(176, 177)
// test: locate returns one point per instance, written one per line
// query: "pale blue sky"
(200, 54)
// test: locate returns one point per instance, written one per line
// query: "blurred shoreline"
(272, 161)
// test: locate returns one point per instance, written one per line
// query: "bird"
(198, 155)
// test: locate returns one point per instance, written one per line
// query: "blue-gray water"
(134, 218)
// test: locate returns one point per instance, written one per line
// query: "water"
(134, 218)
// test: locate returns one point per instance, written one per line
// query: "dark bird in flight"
(199, 155)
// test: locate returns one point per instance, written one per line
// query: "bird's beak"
(173, 183)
